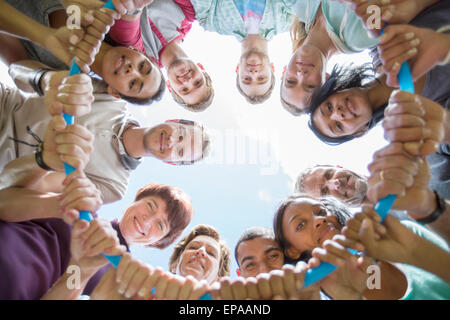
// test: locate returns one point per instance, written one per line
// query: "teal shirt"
(344, 27)
(223, 17)
(423, 285)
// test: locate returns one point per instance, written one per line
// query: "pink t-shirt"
(127, 33)
(130, 33)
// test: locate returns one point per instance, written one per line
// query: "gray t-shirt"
(105, 121)
(39, 11)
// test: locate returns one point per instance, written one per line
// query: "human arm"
(390, 11)
(136, 280)
(433, 48)
(31, 192)
(22, 72)
(86, 7)
(397, 243)
(20, 204)
(23, 178)
(106, 289)
(416, 121)
(348, 282)
(286, 283)
(416, 197)
(62, 93)
(63, 42)
(57, 41)
(89, 240)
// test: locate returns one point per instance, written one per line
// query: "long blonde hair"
(298, 33)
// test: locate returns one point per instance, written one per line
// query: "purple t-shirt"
(34, 254)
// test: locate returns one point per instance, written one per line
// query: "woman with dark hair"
(351, 102)
(326, 28)
(306, 227)
(326, 210)
(345, 109)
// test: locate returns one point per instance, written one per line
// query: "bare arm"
(24, 194)
(397, 243)
(22, 71)
(64, 288)
(16, 23)
(439, 265)
(89, 240)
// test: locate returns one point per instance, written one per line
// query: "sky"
(257, 150)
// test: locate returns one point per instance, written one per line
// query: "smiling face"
(306, 224)
(255, 73)
(304, 73)
(145, 221)
(340, 183)
(200, 259)
(172, 141)
(187, 80)
(344, 113)
(130, 73)
(259, 255)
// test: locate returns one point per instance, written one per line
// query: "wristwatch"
(440, 208)
(130, 13)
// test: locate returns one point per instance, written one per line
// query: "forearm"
(70, 285)
(23, 71)
(432, 258)
(22, 204)
(21, 172)
(16, 23)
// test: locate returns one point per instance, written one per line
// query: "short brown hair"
(203, 104)
(178, 206)
(202, 230)
(257, 99)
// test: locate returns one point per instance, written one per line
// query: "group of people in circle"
(122, 54)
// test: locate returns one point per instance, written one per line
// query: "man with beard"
(253, 23)
(340, 183)
(328, 180)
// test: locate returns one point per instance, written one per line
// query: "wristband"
(440, 208)
(39, 158)
(131, 13)
(35, 80)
